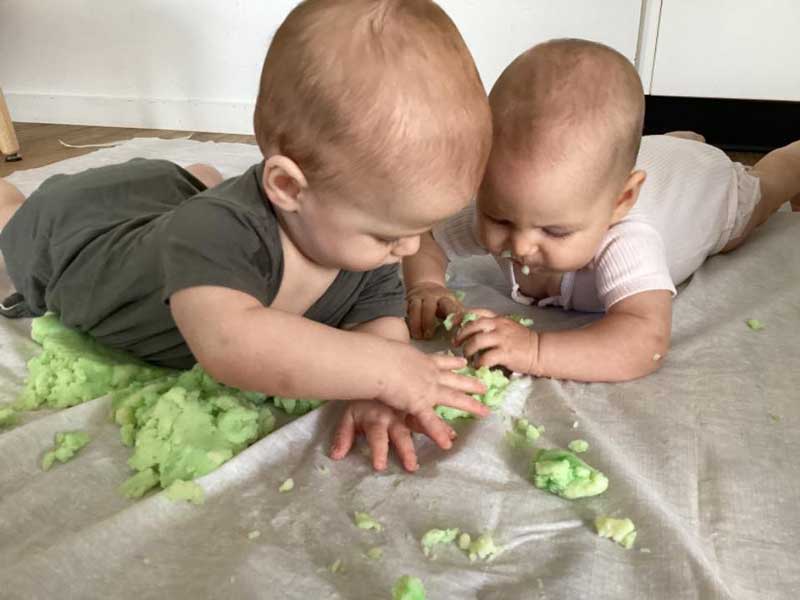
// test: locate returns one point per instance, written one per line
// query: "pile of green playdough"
(67, 445)
(408, 588)
(564, 474)
(181, 425)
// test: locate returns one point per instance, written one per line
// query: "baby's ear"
(629, 195)
(283, 181)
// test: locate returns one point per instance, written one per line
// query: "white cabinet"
(726, 49)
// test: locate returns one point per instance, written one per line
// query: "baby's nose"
(522, 245)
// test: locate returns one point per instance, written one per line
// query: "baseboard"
(147, 113)
(740, 125)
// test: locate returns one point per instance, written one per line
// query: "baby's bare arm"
(629, 342)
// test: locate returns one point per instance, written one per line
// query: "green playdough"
(67, 445)
(622, 531)
(523, 434)
(578, 446)
(374, 553)
(187, 491)
(483, 548)
(449, 320)
(522, 320)
(8, 416)
(286, 486)
(408, 588)
(459, 295)
(564, 474)
(293, 406)
(184, 427)
(366, 521)
(434, 537)
(464, 540)
(73, 368)
(755, 324)
(496, 384)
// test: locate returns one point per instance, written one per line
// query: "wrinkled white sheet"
(703, 456)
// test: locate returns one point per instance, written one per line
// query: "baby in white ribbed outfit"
(582, 212)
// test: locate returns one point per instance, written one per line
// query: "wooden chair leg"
(8, 137)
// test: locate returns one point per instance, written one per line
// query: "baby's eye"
(504, 222)
(557, 233)
(387, 241)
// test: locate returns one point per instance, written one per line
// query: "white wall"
(194, 64)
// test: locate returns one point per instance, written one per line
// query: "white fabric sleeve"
(632, 259)
(456, 236)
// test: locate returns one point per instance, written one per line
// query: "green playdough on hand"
(459, 295)
(564, 474)
(755, 324)
(73, 368)
(496, 384)
(8, 416)
(449, 320)
(408, 588)
(434, 537)
(187, 491)
(522, 320)
(67, 445)
(295, 406)
(622, 531)
(578, 446)
(366, 521)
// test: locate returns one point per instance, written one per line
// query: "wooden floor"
(39, 142)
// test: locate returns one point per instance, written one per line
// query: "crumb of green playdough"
(374, 553)
(67, 445)
(434, 537)
(255, 534)
(526, 270)
(366, 521)
(564, 474)
(496, 384)
(188, 491)
(774, 417)
(483, 548)
(286, 486)
(464, 540)
(294, 406)
(644, 550)
(505, 254)
(448, 322)
(578, 446)
(408, 588)
(459, 295)
(521, 319)
(755, 324)
(8, 416)
(335, 566)
(622, 531)
(523, 434)
(73, 368)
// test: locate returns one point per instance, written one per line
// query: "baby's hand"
(417, 382)
(381, 425)
(426, 301)
(501, 342)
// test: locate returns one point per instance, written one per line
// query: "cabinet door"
(728, 49)
(497, 32)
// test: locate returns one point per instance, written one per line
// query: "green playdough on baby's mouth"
(408, 588)
(188, 491)
(67, 445)
(564, 474)
(622, 531)
(496, 384)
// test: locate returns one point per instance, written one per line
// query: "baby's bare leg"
(10, 200)
(205, 173)
(779, 175)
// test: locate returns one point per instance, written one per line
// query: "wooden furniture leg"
(8, 138)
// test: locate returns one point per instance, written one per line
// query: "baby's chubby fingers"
(414, 310)
(378, 440)
(429, 323)
(435, 428)
(344, 436)
(400, 435)
(482, 325)
(481, 341)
